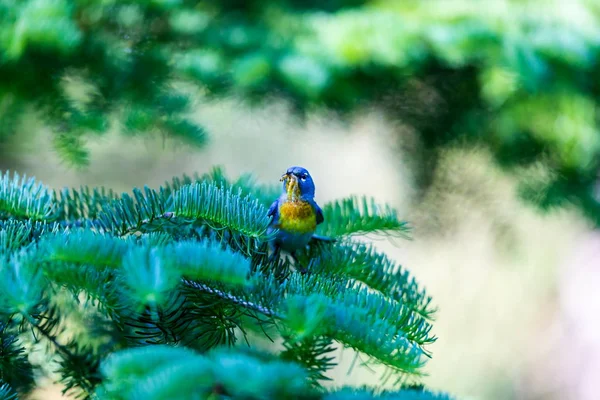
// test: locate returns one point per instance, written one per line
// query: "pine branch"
(354, 216)
(313, 353)
(359, 328)
(170, 372)
(83, 204)
(82, 258)
(370, 394)
(187, 264)
(128, 214)
(362, 262)
(246, 184)
(221, 208)
(13, 235)
(83, 247)
(173, 372)
(79, 371)
(16, 234)
(21, 284)
(172, 321)
(150, 273)
(6, 392)
(15, 368)
(23, 198)
(74, 376)
(208, 261)
(232, 298)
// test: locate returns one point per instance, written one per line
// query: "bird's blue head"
(304, 181)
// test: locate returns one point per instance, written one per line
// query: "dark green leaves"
(185, 130)
(58, 32)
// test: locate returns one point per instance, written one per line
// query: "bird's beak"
(291, 186)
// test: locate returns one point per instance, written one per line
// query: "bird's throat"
(292, 189)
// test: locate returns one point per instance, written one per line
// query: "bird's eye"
(303, 177)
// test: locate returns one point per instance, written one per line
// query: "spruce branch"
(6, 392)
(313, 353)
(370, 394)
(128, 214)
(208, 261)
(246, 184)
(361, 215)
(232, 298)
(83, 246)
(358, 327)
(187, 265)
(174, 372)
(22, 286)
(24, 198)
(77, 369)
(80, 205)
(221, 208)
(363, 263)
(15, 369)
(13, 235)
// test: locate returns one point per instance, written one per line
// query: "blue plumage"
(295, 219)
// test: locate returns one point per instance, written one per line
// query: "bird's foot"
(299, 267)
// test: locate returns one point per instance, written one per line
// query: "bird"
(294, 214)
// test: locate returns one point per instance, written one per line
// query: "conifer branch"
(15, 369)
(363, 263)
(370, 394)
(361, 215)
(187, 264)
(230, 297)
(81, 205)
(221, 208)
(24, 198)
(6, 392)
(66, 353)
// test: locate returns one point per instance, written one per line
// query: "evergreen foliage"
(147, 296)
(466, 72)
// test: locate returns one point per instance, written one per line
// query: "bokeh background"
(477, 120)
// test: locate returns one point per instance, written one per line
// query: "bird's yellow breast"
(297, 216)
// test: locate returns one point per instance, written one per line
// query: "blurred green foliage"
(520, 77)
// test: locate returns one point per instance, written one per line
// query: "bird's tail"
(325, 239)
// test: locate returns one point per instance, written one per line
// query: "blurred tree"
(519, 77)
(146, 296)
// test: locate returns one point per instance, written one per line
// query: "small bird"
(295, 214)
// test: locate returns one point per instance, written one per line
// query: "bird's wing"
(274, 210)
(318, 211)
(320, 238)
